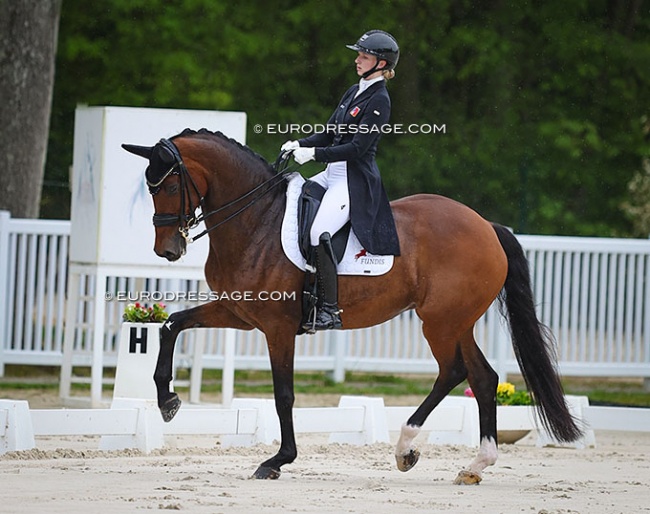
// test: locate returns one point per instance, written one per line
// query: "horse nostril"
(171, 256)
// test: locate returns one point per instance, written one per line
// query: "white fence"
(357, 420)
(593, 293)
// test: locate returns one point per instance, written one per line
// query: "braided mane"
(208, 134)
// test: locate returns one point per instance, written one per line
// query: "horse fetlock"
(487, 454)
(288, 456)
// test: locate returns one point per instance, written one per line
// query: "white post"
(196, 373)
(340, 342)
(68, 337)
(5, 218)
(97, 367)
(228, 375)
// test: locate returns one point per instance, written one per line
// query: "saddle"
(309, 201)
(308, 204)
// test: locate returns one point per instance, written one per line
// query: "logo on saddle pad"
(364, 258)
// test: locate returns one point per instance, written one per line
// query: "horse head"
(177, 191)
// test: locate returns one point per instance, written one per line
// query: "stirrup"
(327, 318)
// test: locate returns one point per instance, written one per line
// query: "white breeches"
(334, 210)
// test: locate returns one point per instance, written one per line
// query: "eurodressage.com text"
(319, 128)
(200, 296)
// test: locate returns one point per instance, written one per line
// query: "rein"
(189, 221)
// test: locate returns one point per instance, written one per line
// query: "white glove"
(289, 145)
(303, 155)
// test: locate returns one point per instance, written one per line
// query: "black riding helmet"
(380, 44)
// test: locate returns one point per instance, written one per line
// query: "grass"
(601, 391)
(629, 392)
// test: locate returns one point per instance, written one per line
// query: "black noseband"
(185, 221)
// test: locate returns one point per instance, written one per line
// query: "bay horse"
(454, 264)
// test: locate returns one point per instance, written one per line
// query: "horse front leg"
(210, 315)
(168, 402)
(281, 356)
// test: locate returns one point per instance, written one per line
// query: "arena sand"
(194, 474)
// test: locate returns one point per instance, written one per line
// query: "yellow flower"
(505, 389)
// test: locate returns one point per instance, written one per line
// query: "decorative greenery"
(507, 395)
(138, 313)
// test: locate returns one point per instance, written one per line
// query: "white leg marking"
(487, 456)
(405, 442)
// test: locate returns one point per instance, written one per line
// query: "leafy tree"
(543, 102)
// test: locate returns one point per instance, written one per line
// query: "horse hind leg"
(452, 372)
(483, 380)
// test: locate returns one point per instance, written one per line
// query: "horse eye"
(171, 189)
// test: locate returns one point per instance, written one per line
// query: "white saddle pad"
(356, 261)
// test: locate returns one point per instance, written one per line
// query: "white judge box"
(111, 207)
(111, 213)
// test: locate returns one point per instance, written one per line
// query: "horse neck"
(259, 224)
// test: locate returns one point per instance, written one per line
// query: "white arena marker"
(16, 430)
(136, 361)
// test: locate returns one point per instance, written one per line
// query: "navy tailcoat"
(352, 135)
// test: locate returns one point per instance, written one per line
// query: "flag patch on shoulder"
(354, 111)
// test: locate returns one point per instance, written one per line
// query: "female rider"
(354, 190)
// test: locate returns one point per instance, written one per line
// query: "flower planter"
(514, 422)
(511, 436)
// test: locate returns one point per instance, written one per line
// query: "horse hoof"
(406, 462)
(468, 478)
(266, 473)
(170, 408)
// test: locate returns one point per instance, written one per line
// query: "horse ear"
(142, 151)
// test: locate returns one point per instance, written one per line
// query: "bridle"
(189, 221)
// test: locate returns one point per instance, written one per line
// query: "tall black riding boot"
(328, 312)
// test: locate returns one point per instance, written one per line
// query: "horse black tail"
(533, 343)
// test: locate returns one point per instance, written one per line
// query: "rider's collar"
(365, 84)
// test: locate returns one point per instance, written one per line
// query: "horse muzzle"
(171, 248)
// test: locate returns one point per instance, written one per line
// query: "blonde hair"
(388, 74)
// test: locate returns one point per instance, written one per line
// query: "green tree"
(542, 102)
